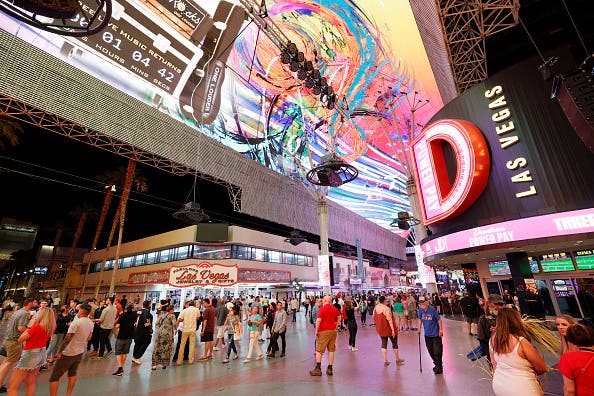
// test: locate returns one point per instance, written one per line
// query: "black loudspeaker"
(331, 265)
(576, 98)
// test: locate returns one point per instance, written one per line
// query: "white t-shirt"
(189, 315)
(82, 329)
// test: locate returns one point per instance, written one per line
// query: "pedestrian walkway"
(358, 373)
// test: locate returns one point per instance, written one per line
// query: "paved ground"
(358, 373)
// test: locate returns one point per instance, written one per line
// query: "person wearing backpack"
(363, 310)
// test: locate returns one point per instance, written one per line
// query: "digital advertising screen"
(499, 268)
(533, 265)
(563, 288)
(207, 64)
(584, 259)
(556, 262)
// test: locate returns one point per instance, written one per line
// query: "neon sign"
(439, 199)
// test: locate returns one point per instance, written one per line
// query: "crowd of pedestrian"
(41, 336)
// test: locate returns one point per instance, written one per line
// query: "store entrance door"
(584, 288)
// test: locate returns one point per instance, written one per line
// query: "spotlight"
(285, 57)
(331, 105)
(315, 74)
(309, 82)
(323, 82)
(300, 56)
(302, 74)
(292, 48)
(309, 66)
(330, 90)
(294, 66)
(317, 90)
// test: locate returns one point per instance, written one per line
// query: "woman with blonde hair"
(516, 362)
(563, 322)
(33, 356)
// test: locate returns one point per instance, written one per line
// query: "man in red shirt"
(326, 324)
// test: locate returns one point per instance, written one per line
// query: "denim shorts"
(32, 359)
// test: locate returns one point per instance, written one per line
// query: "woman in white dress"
(516, 362)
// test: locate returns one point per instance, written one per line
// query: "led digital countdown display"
(556, 262)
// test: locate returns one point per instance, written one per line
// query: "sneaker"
(43, 368)
(316, 372)
(353, 349)
(329, 371)
(108, 353)
(92, 353)
(119, 372)
(226, 360)
(438, 370)
(136, 361)
(282, 354)
(216, 349)
(3, 389)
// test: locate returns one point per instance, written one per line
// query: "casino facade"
(505, 186)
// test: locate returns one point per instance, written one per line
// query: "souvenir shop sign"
(203, 274)
(148, 277)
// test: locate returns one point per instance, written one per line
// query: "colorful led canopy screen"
(556, 262)
(370, 52)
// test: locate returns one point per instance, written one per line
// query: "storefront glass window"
(301, 260)
(260, 254)
(109, 265)
(183, 252)
(151, 257)
(139, 259)
(241, 253)
(274, 257)
(125, 262)
(166, 255)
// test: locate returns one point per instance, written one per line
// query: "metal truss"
(465, 25)
(23, 112)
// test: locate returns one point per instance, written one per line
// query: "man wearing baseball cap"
(431, 322)
(486, 323)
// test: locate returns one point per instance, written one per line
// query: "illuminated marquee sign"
(203, 274)
(439, 199)
(565, 223)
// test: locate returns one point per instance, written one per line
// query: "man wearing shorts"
(221, 312)
(327, 324)
(72, 350)
(17, 324)
(208, 328)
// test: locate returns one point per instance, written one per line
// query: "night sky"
(47, 176)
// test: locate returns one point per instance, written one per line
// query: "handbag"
(475, 354)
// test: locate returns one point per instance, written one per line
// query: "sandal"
(260, 357)
(236, 357)
(386, 363)
(153, 367)
(247, 360)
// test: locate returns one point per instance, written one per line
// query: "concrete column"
(519, 266)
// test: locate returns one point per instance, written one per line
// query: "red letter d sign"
(440, 200)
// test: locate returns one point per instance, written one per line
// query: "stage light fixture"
(315, 74)
(323, 82)
(285, 57)
(292, 48)
(300, 57)
(294, 66)
(302, 74)
(317, 90)
(309, 66)
(309, 82)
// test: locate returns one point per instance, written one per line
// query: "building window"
(151, 257)
(126, 262)
(274, 257)
(139, 259)
(166, 255)
(183, 252)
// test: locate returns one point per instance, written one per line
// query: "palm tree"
(106, 203)
(83, 212)
(139, 183)
(10, 131)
